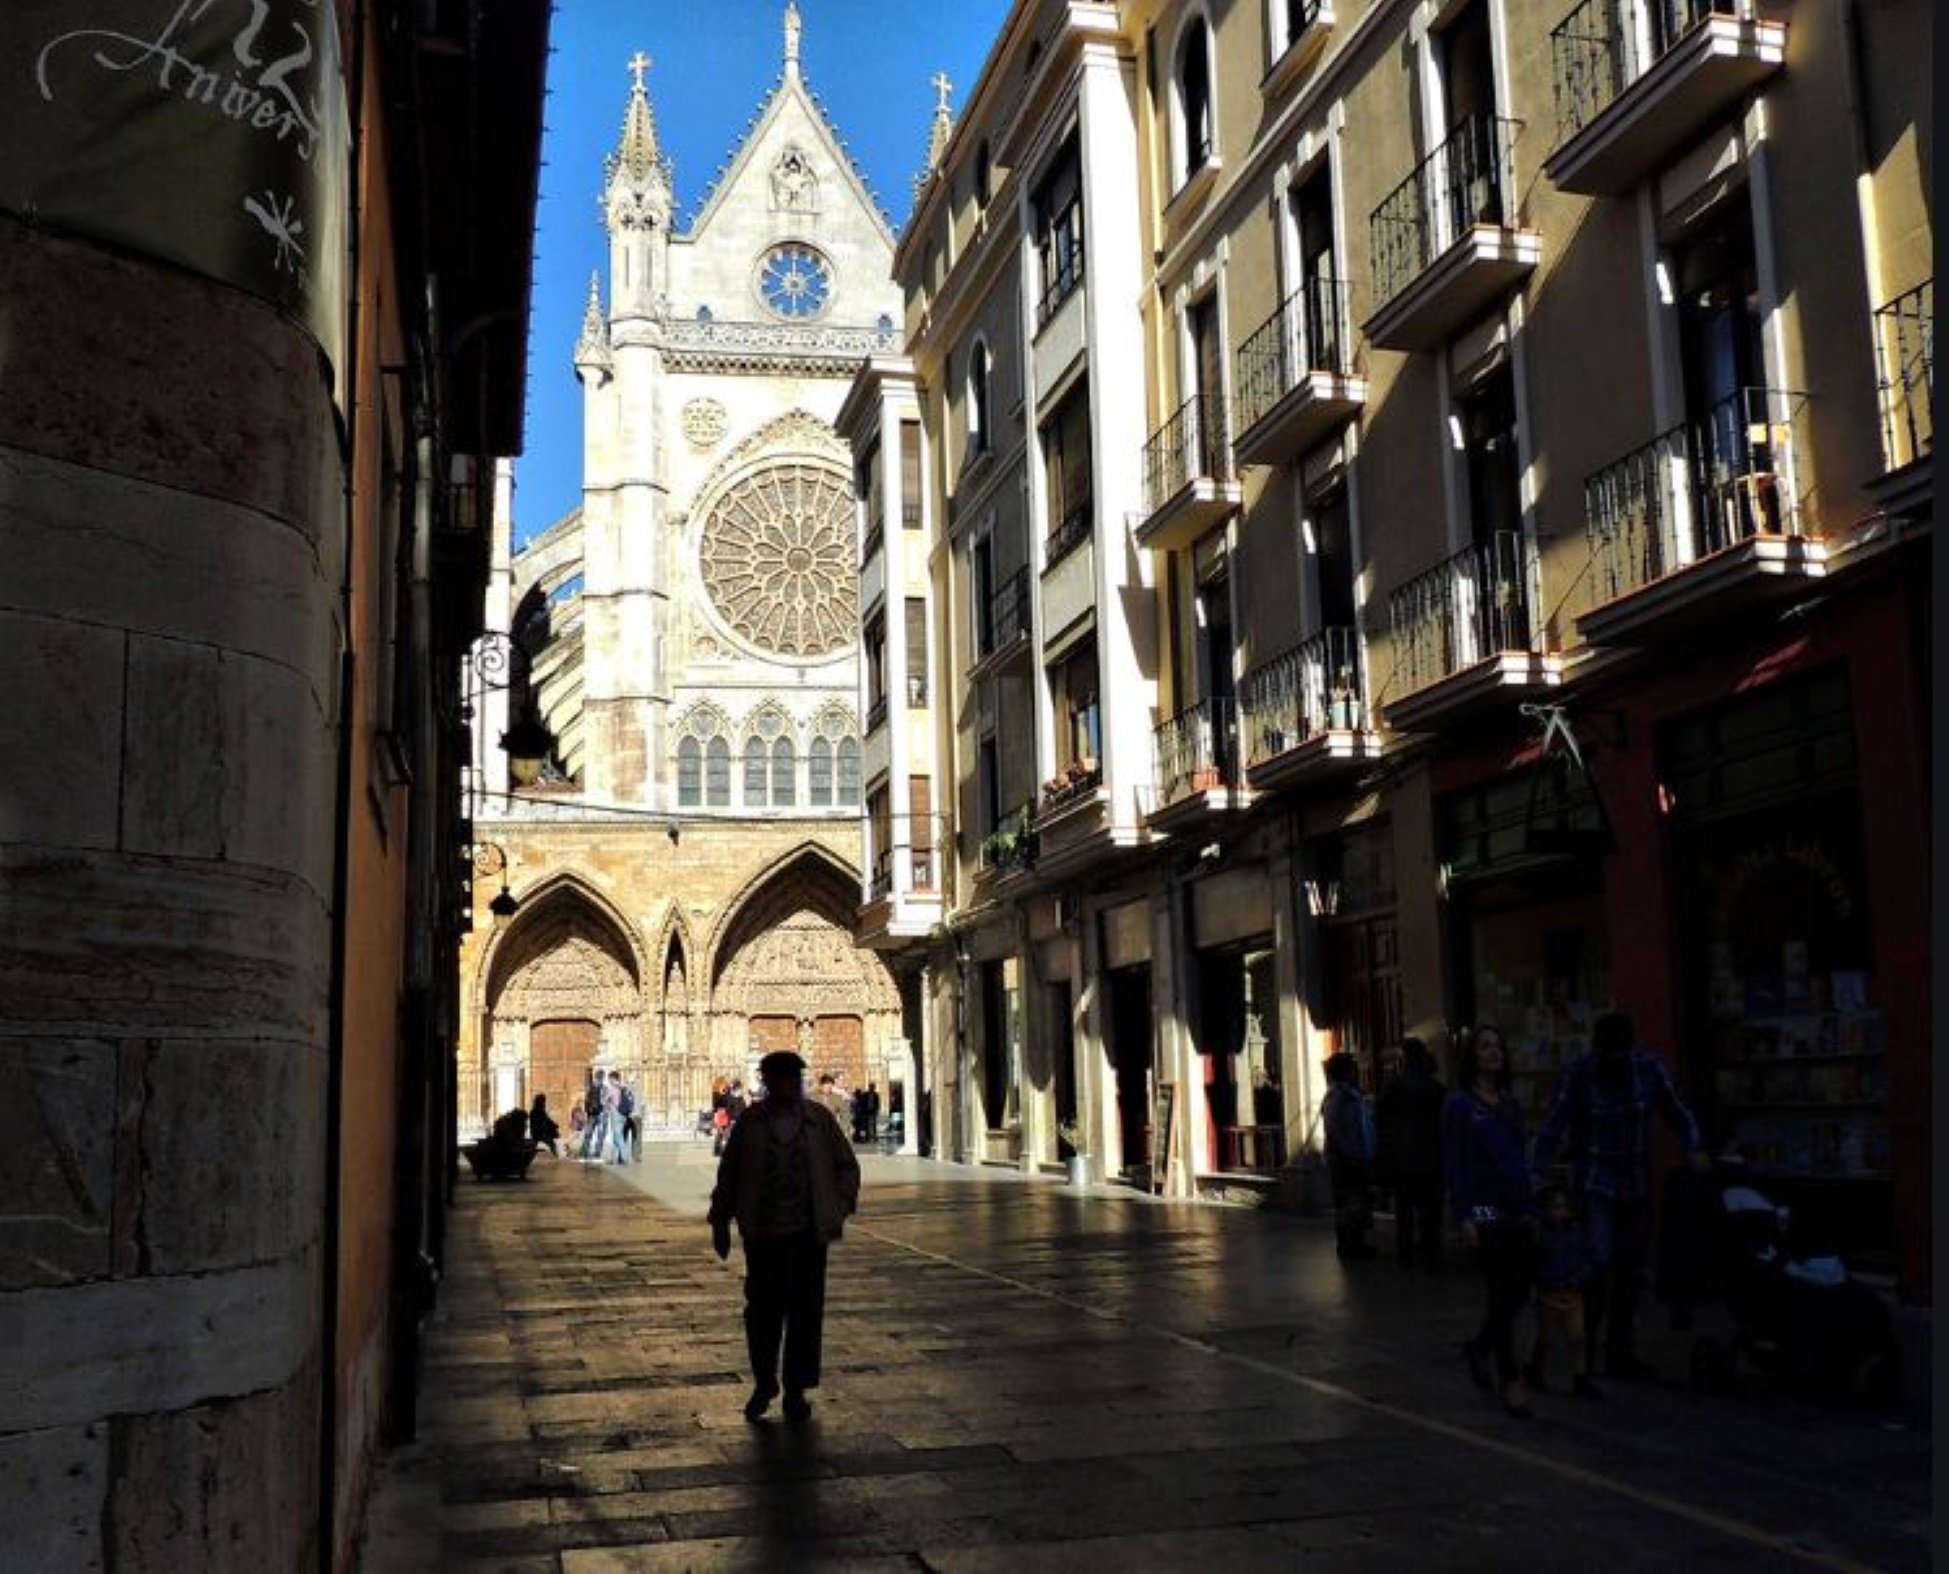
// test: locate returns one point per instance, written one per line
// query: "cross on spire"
(942, 87)
(638, 64)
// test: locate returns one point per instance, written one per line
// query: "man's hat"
(781, 1063)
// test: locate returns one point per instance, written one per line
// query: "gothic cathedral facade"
(686, 868)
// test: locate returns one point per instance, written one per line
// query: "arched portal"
(562, 992)
(786, 973)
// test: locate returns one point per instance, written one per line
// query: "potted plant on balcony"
(1005, 847)
(1077, 1161)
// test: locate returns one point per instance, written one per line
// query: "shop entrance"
(1238, 1041)
(1130, 1052)
(1786, 1053)
(1363, 967)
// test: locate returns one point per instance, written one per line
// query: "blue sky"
(869, 61)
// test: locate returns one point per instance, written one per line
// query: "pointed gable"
(790, 183)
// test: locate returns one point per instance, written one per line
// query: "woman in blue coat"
(1487, 1165)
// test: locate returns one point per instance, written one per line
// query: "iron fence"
(1072, 530)
(1197, 749)
(1310, 689)
(1004, 616)
(1905, 353)
(1465, 609)
(1694, 490)
(1190, 445)
(1604, 46)
(1306, 334)
(1468, 180)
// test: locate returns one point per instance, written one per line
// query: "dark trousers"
(785, 1294)
(1353, 1204)
(1506, 1254)
(1620, 1234)
(1417, 1217)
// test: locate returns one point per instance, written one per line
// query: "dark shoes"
(1584, 1388)
(1478, 1362)
(797, 1406)
(763, 1392)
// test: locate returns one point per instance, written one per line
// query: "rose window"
(777, 559)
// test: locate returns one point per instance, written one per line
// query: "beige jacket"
(741, 1169)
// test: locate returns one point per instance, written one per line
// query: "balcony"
(1445, 242)
(1197, 765)
(1305, 717)
(1308, 25)
(1002, 621)
(1905, 357)
(1188, 481)
(903, 894)
(1462, 634)
(1009, 850)
(1702, 519)
(1638, 80)
(1295, 375)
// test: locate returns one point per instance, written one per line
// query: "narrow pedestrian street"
(1020, 1375)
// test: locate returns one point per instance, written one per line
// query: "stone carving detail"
(576, 978)
(806, 966)
(777, 339)
(794, 187)
(703, 423)
(777, 560)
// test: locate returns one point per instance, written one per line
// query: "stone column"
(171, 514)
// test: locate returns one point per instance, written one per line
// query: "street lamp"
(491, 858)
(501, 662)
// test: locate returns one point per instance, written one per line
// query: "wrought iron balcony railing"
(1468, 180)
(1308, 333)
(1310, 689)
(1060, 249)
(1197, 750)
(1072, 530)
(1604, 46)
(1190, 446)
(1464, 610)
(1693, 491)
(1004, 617)
(1905, 354)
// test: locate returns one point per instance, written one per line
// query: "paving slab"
(1023, 1375)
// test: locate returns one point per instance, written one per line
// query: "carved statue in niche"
(794, 188)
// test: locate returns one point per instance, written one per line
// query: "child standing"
(1565, 1264)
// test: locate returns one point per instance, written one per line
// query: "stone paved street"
(1022, 1376)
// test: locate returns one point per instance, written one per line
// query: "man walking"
(789, 1178)
(1408, 1119)
(1603, 1104)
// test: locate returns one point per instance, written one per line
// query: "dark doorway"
(1130, 1051)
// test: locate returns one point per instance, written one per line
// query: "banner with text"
(210, 133)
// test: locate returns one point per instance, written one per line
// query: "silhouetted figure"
(1409, 1121)
(789, 1178)
(1603, 1105)
(1349, 1128)
(542, 1127)
(1488, 1185)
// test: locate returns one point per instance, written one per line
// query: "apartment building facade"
(1508, 603)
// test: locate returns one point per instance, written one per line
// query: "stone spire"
(637, 190)
(592, 346)
(638, 156)
(937, 137)
(794, 29)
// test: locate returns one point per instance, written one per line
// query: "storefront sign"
(209, 133)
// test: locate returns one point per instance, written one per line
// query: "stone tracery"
(777, 560)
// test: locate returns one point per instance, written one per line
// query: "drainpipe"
(341, 851)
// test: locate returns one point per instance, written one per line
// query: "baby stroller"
(1806, 1318)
